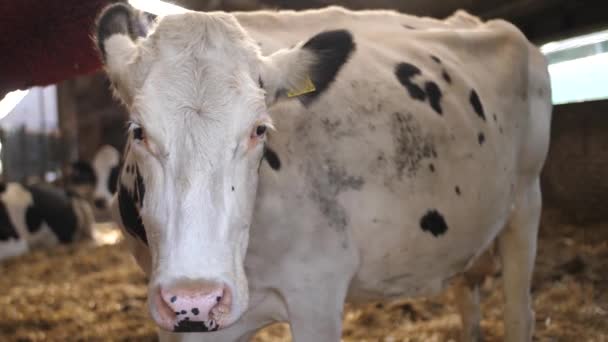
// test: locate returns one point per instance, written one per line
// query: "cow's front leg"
(315, 313)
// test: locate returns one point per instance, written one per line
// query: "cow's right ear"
(119, 26)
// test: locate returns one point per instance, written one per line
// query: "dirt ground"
(85, 292)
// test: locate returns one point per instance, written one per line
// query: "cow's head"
(198, 91)
(96, 181)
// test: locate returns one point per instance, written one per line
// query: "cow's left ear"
(308, 69)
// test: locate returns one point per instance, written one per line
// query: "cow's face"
(106, 166)
(198, 91)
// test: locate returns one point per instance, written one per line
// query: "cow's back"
(415, 152)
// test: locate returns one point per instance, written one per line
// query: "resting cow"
(279, 164)
(40, 215)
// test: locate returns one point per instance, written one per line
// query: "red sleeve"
(46, 41)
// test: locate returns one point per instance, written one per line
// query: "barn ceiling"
(541, 20)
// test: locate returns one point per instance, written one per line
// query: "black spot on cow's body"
(33, 219)
(7, 228)
(434, 223)
(332, 50)
(481, 138)
(129, 214)
(436, 59)
(327, 184)
(113, 179)
(272, 158)
(405, 73)
(476, 103)
(446, 76)
(187, 325)
(53, 207)
(412, 145)
(434, 94)
(457, 189)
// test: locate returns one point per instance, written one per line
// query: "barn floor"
(87, 292)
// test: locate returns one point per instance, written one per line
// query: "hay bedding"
(86, 292)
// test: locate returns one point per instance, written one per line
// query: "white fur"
(200, 102)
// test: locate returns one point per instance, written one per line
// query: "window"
(579, 68)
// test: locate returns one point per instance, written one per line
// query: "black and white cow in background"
(40, 215)
(96, 180)
(397, 150)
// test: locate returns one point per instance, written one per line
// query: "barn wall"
(575, 177)
(89, 115)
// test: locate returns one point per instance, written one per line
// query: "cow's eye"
(138, 133)
(260, 131)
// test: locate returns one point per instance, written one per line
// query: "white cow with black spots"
(397, 150)
(38, 216)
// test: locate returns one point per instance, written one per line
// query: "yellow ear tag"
(306, 87)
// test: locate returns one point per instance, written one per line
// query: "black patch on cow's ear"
(113, 179)
(476, 103)
(434, 223)
(272, 158)
(129, 214)
(332, 49)
(121, 18)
